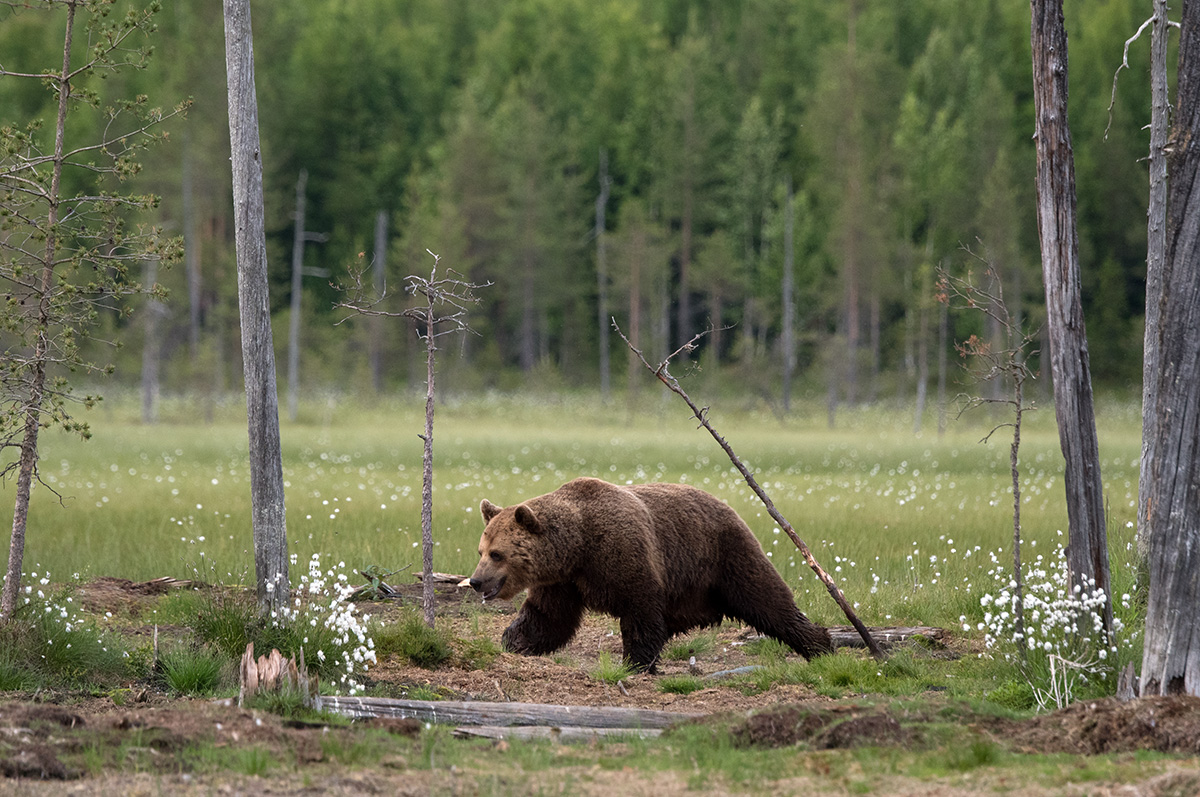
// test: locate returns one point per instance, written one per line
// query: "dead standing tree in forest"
(269, 517)
(663, 375)
(1087, 545)
(447, 299)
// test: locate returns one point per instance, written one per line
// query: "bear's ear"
(488, 510)
(528, 520)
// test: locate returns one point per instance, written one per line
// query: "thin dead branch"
(663, 375)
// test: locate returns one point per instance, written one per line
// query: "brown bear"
(662, 558)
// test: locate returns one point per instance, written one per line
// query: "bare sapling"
(444, 312)
(663, 375)
(987, 361)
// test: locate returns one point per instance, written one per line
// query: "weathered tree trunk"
(1087, 546)
(297, 295)
(789, 296)
(258, 353)
(1156, 246)
(602, 278)
(1171, 658)
(427, 591)
(378, 273)
(27, 465)
(151, 347)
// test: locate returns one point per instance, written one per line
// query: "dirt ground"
(142, 745)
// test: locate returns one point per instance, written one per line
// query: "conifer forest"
(792, 175)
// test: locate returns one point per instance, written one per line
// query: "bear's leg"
(642, 638)
(758, 596)
(548, 619)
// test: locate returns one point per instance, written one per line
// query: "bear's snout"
(475, 584)
(488, 587)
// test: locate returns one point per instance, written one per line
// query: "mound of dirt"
(1163, 724)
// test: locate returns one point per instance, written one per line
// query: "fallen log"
(567, 733)
(845, 636)
(482, 713)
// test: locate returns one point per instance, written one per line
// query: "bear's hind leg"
(762, 600)
(548, 619)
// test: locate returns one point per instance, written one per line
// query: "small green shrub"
(695, 645)
(1014, 695)
(610, 670)
(680, 684)
(418, 643)
(193, 671)
(478, 653)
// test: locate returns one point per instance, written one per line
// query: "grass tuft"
(610, 670)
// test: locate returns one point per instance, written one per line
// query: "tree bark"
(602, 278)
(1156, 246)
(378, 273)
(789, 297)
(297, 295)
(258, 353)
(1087, 546)
(1171, 657)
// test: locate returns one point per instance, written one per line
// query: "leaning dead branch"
(663, 375)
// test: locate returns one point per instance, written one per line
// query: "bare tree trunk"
(1171, 658)
(27, 465)
(943, 345)
(297, 295)
(427, 594)
(151, 348)
(191, 249)
(1156, 249)
(602, 278)
(378, 271)
(1087, 546)
(258, 353)
(789, 299)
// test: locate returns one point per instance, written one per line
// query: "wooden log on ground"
(561, 734)
(482, 713)
(845, 636)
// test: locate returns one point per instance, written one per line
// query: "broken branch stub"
(701, 414)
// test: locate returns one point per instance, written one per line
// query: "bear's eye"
(496, 557)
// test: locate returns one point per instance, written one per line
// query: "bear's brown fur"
(662, 558)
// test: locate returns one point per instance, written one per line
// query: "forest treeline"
(665, 162)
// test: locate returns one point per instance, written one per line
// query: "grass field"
(905, 521)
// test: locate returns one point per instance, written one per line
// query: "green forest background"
(482, 130)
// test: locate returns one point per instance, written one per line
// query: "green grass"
(193, 671)
(610, 669)
(904, 523)
(412, 639)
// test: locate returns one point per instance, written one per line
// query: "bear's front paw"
(515, 642)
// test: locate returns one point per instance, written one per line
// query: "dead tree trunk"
(378, 272)
(1087, 546)
(789, 296)
(297, 295)
(1156, 249)
(602, 277)
(258, 352)
(1171, 658)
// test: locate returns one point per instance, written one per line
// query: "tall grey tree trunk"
(258, 353)
(789, 295)
(1156, 247)
(1171, 656)
(378, 274)
(151, 347)
(602, 278)
(297, 296)
(1087, 546)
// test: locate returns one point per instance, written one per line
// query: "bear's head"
(506, 564)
